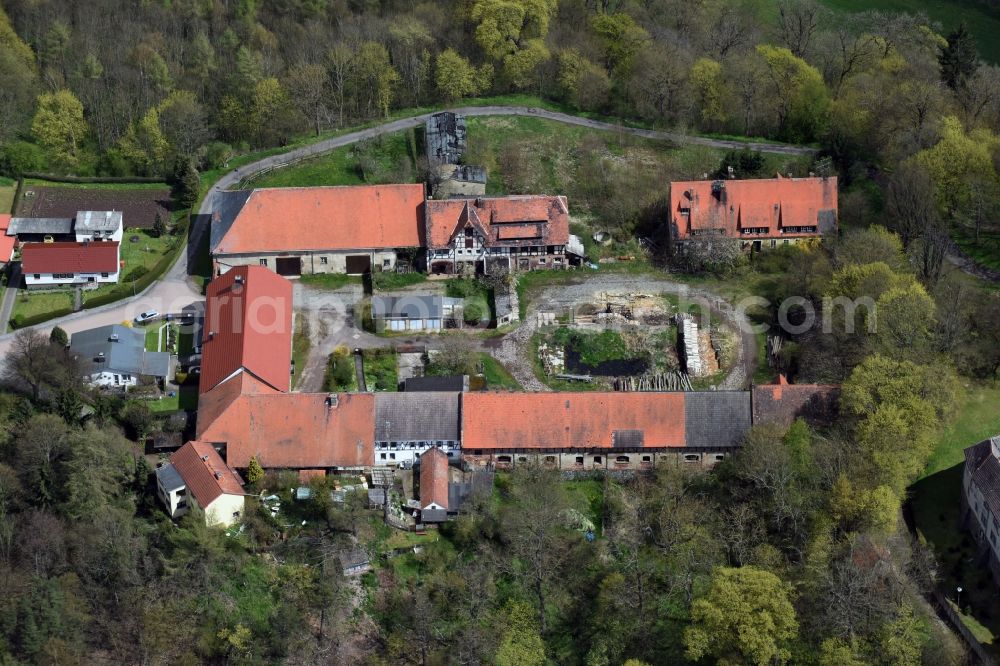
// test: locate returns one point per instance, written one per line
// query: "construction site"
(633, 341)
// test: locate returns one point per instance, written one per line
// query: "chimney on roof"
(238, 279)
(218, 475)
(211, 335)
(113, 337)
(332, 401)
(732, 172)
(718, 188)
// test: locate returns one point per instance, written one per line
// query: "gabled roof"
(70, 257)
(434, 478)
(292, 430)
(204, 473)
(983, 466)
(492, 420)
(500, 220)
(782, 402)
(6, 241)
(728, 206)
(318, 218)
(407, 417)
(118, 348)
(248, 326)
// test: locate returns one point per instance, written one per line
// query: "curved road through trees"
(175, 290)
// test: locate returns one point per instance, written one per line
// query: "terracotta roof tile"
(6, 242)
(204, 473)
(321, 218)
(296, 430)
(493, 420)
(782, 403)
(770, 204)
(434, 478)
(499, 219)
(70, 257)
(248, 324)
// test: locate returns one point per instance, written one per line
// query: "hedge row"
(91, 179)
(20, 321)
(17, 196)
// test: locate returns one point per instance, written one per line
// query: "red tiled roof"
(434, 478)
(493, 420)
(248, 324)
(6, 242)
(70, 257)
(204, 473)
(325, 218)
(293, 430)
(782, 402)
(499, 219)
(771, 204)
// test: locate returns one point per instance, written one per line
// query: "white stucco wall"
(221, 511)
(47, 279)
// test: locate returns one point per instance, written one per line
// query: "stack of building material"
(687, 329)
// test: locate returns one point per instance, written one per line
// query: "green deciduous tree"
(621, 38)
(144, 144)
(745, 614)
(375, 79)
(957, 160)
(512, 32)
(521, 644)
(708, 85)
(59, 126)
(801, 99)
(455, 77)
(582, 83)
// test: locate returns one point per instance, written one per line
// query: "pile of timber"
(668, 381)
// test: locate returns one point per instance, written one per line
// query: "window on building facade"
(263, 262)
(324, 260)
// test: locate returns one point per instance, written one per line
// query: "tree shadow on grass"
(937, 514)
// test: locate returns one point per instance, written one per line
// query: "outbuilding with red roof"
(302, 230)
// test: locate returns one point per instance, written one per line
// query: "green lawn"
(7, 189)
(936, 509)
(497, 376)
(390, 281)
(35, 303)
(329, 280)
(139, 257)
(300, 346)
(986, 252)
(185, 398)
(387, 159)
(982, 21)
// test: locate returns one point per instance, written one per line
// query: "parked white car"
(149, 315)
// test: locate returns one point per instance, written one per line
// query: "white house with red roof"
(196, 475)
(70, 263)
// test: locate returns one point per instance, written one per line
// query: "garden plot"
(139, 204)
